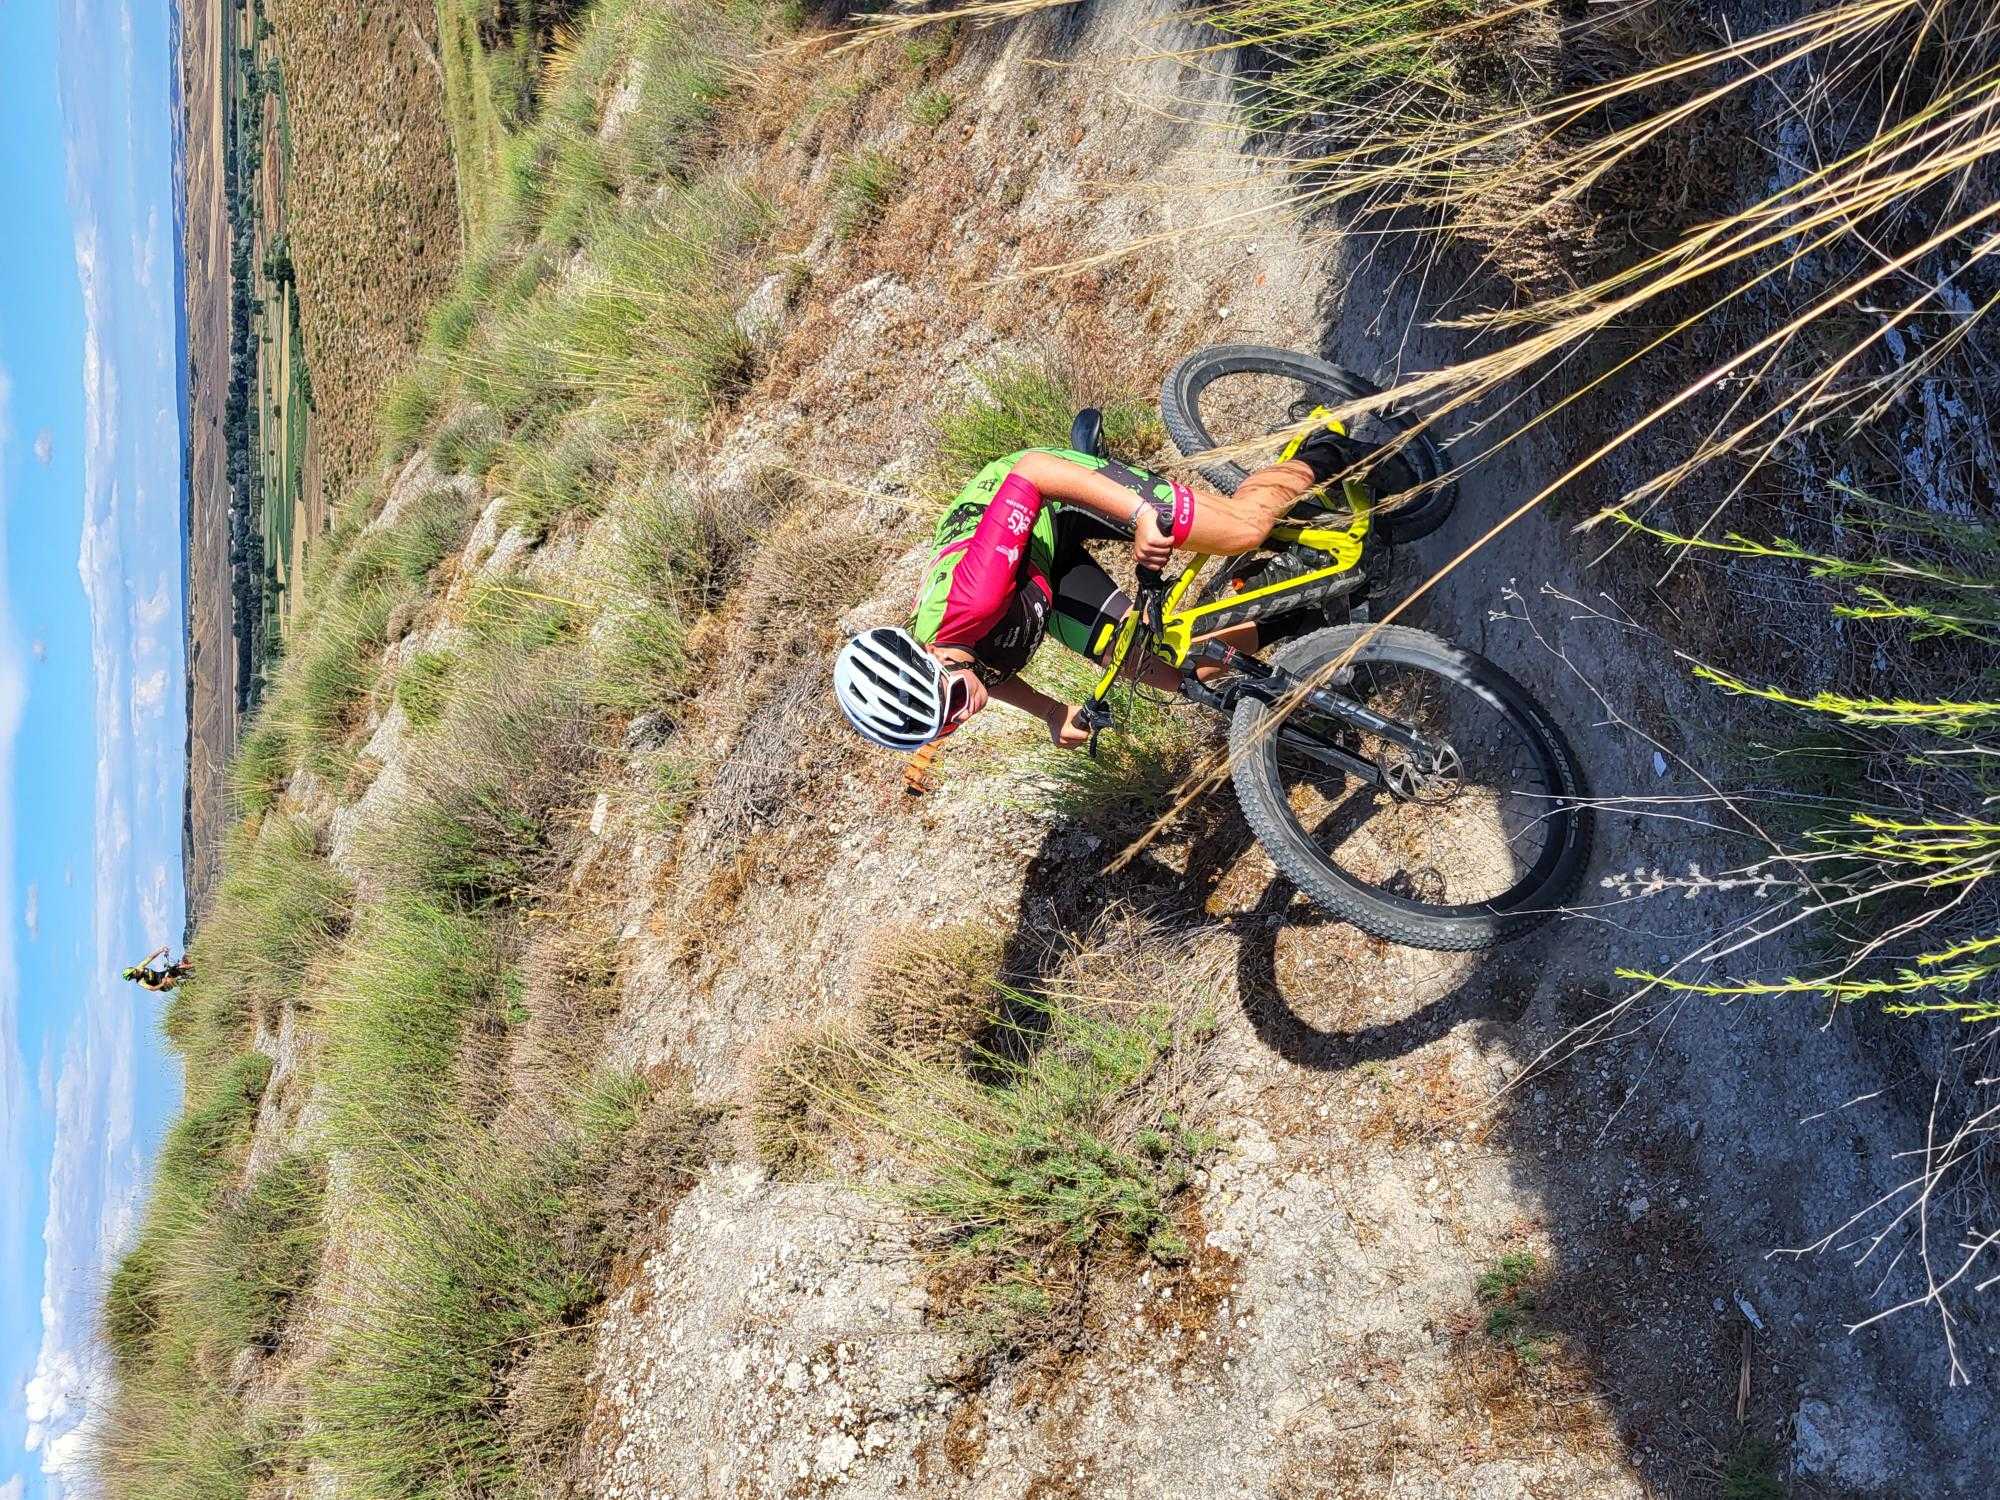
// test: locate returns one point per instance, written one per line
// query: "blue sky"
(92, 713)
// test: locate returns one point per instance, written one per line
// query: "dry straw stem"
(882, 27)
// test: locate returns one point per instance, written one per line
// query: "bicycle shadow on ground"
(1185, 885)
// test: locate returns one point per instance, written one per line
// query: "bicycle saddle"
(1086, 433)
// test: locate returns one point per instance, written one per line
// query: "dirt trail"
(1327, 1341)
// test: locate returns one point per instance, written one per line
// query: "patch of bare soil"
(371, 208)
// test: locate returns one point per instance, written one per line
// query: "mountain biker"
(159, 981)
(1011, 565)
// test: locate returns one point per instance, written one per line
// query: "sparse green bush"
(468, 442)
(930, 108)
(423, 686)
(413, 978)
(1031, 406)
(932, 992)
(412, 403)
(864, 182)
(1508, 1290)
(278, 912)
(1065, 1137)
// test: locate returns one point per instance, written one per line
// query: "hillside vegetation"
(602, 1078)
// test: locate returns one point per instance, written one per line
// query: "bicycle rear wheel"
(1237, 393)
(1475, 851)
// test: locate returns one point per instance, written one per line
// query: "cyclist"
(1011, 565)
(159, 981)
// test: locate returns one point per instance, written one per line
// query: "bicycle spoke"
(1460, 831)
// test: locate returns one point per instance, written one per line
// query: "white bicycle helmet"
(892, 690)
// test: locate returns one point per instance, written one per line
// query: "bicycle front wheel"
(1475, 849)
(1238, 393)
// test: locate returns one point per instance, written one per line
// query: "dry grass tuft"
(933, 993)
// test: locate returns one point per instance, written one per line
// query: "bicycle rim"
(1237, 394)
(1460, 853)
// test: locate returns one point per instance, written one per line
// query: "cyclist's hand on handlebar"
(1151, 547)
(1065, 732)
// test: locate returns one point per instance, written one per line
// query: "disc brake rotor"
(1408, 779)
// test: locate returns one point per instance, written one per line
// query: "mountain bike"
(1404, 783)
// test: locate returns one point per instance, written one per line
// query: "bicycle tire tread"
(1270, 821)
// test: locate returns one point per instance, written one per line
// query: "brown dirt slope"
(211, 644)
(372, 207)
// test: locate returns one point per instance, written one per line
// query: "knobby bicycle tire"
(1180, 409)
(1538, 894)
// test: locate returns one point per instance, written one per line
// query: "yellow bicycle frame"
(1180, 628)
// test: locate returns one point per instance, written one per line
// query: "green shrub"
(863, 183)
(168, 1440)
(550, 483)
(204, 1144)
(489, 785)
(452, 320)
(578, 188)
(262, 766)
(1062, 1139)
(413, 400)
(1031, 406)
(680, 84)
(423, 686)
(277, 914)
(413, 978)
(469, 441)
(428, 531)
(930, 108)
(331, 670)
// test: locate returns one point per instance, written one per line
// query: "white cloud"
(31, 918)
(13, 1488)
(45, 452)
(39, 649)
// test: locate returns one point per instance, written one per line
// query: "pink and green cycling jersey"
(990, 579)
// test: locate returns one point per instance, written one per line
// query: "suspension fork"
(1274, 686)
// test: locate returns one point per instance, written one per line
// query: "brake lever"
(1095, 715)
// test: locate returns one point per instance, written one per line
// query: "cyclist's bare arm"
(1057, 717)
(1088, 489)
(1223, 524)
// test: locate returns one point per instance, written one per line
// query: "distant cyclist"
(161, 980)
(1011, 566)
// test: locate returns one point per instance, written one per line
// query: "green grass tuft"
(1031, 406)
(864, 182)
(469, 441)
(423, 686)
(412, 403)
(1508, 1289)
(278, 912)
(930, 108)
